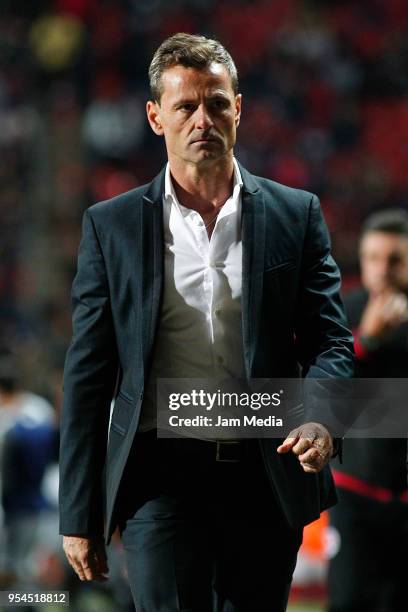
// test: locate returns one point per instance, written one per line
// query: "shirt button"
(220, 360)
(217, 312)
(212, 264)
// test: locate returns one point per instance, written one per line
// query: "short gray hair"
(191, 51)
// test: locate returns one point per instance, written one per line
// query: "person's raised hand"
(312, 444)
(87, 556)
(384, 312)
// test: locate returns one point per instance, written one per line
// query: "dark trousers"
(368, 573)
(202, 535)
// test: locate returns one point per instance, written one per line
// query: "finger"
(314, 461)
(310, 469)
(323, 445)
(302, 445)
(287, 444)
(77, 567)
(80, 573)
(88, 559)
(395, 308)
(313, 456)
(85, 565)
(88, 570)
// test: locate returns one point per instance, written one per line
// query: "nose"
(385, 273)
(203, 120)
(381, 270)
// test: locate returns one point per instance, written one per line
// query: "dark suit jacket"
(291, 314)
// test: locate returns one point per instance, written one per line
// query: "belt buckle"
(220, 446)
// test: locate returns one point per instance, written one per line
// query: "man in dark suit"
(368, 568)
(205, 272)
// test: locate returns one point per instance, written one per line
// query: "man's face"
(198, 113)
(384, 261)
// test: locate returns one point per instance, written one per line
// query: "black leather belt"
(223, 451)
(228, 451)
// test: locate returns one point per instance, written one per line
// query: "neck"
(203, 188)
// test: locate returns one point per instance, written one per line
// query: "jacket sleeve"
(323, 341)
(89, 379)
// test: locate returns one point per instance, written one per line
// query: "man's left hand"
(312, 444)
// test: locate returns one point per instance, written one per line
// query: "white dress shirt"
(199, 332)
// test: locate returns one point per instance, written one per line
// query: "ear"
(238, 103)
(153, 116)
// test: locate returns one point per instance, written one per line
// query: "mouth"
(204, 139)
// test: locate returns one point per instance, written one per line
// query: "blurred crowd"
(325, 108)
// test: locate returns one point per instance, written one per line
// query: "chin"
(207, 156)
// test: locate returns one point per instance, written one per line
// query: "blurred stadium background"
(325, 108)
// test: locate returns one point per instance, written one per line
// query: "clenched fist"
(312, 444)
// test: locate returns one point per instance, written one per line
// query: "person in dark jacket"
(206, 272)
(368, 571)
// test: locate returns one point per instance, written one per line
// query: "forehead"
(178, 79)
(384, 243)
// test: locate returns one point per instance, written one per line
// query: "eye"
(220, 103)
(394, 260)
(187, 107)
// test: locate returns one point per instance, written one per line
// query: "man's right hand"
(87, 556)
(383, 314)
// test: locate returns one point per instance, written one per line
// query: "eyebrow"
(214, 96)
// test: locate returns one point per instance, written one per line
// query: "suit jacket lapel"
(253, 250)
(153, 261)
